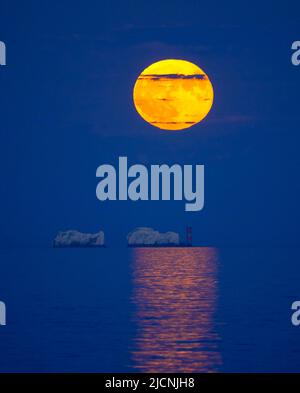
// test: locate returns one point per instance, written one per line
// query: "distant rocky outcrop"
(149, 237)
(78, 239)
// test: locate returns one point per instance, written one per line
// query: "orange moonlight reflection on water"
(175, 294)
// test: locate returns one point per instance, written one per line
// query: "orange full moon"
(173, 94)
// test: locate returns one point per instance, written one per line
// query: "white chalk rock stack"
(148, 236)
(78, 239)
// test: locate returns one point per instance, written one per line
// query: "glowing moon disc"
(173, 94)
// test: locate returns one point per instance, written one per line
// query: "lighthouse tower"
(189, 236)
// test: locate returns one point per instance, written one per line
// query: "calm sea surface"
(149, 310)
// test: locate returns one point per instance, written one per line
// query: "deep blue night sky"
(66, 107)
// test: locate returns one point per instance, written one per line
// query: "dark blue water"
(119, 310)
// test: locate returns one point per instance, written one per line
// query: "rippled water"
(164, 309)
(175, 293)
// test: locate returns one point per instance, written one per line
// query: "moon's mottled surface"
(173, 94)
